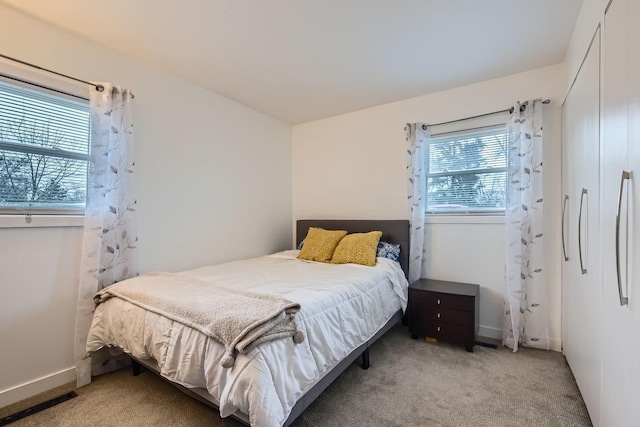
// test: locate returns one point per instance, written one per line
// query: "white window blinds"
(44, 140)
(467, 171)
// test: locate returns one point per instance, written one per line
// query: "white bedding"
(342, 306)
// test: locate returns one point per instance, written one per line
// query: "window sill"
(37, 221)
(464, 219)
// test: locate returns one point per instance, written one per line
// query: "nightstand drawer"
(437, 299)
(445, 328)
(450, 332)
(444, 331)
(444, 315)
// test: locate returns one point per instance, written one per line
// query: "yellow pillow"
(357, 248)
(320, 244)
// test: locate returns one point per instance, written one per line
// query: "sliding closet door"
(632, 316)
(581, 299)
(621, 215)
(569, 252)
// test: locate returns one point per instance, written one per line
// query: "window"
(467, 172)
(44, 141)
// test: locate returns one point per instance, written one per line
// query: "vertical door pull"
(564, 209)
(625, 176)
(582, 269)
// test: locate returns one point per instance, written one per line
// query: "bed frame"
(393, 231)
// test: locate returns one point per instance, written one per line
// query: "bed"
(343, 310)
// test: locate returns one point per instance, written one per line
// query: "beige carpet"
(410, 383)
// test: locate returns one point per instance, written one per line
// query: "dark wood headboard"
(394, 231)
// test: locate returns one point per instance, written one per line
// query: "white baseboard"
(39, 385)
(555, 344)
(490, 332)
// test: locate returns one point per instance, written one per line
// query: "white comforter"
(342, 306)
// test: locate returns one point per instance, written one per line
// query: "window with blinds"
(467, 172)
(44, 142)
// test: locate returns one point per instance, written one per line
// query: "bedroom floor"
(410, 383)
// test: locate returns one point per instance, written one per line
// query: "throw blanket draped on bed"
(237, 319)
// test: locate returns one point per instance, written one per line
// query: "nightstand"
(446, 311)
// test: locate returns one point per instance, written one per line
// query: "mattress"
(342, 306)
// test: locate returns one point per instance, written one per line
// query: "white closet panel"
(581, 233)
(621, 215)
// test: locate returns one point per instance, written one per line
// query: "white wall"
(214, 184)
(354, 166)
(38, 273)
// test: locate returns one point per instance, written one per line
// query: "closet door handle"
(584, 270)
(625, 176)
(564, 209)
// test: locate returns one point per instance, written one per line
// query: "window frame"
(465, 216)
(28, 216)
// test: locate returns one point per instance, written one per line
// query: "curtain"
(525, 291)
(110, 236)
(417, 137)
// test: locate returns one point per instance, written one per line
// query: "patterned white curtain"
(110, 233)
(525, 291)
(417, 136)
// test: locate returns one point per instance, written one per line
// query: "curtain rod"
(99, 88)
(465, 130)
(6, 76)
(546, 101)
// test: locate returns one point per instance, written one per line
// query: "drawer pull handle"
(438, 328)
(564, 208)
(438, 315)
(582, 269)
(623, 300)
(438, 302)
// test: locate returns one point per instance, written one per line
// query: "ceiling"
(303, 60)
